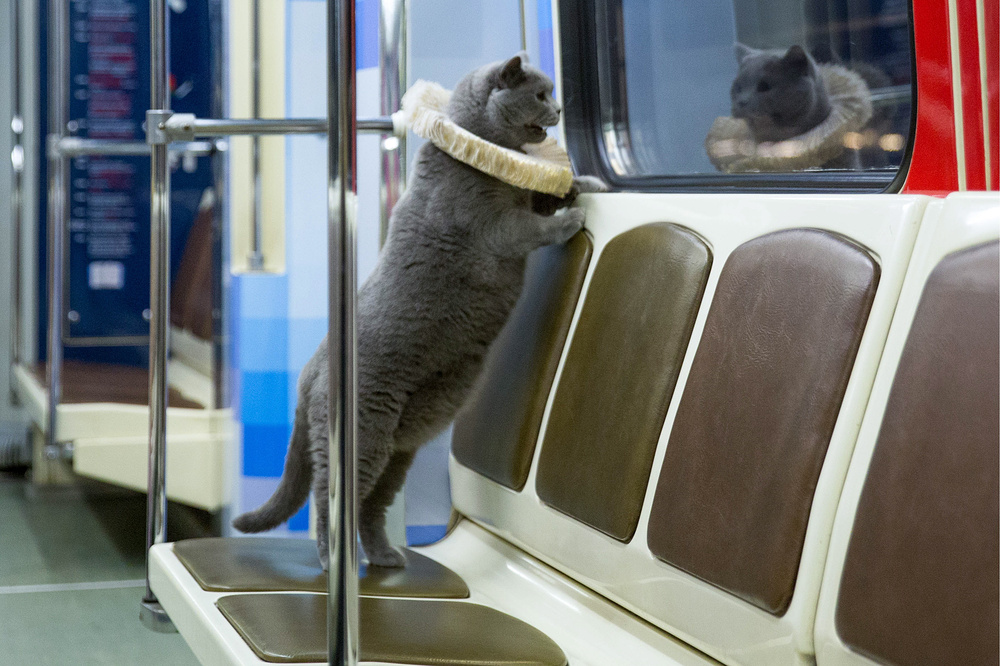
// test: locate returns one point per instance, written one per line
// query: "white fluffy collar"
(543, 167)
(732, 148)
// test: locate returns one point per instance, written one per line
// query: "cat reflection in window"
(790, 113)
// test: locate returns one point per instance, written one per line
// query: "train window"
(749, 94)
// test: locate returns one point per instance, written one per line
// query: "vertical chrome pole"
(393, 72)
(256, 258)
(219, 27)
(524, 28)
(342, 609)
(58, 85)
(16, 183)
(151, 613)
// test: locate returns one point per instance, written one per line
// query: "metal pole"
(151, 613)
(58, 49)
(256, 258)
(393, 71)
(72, 146)
(524, 29)
(218, 20)
(342, 600)
(16, 185)
(185, 127)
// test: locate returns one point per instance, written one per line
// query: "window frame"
(587, 150)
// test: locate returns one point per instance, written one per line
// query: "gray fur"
(779, 93)
(445, 282)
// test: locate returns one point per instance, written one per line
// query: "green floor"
(71, 578)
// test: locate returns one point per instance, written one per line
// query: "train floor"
(72, 565)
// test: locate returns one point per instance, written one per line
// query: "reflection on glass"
(743, 86)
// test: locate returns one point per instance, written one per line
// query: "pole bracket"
(156, 127)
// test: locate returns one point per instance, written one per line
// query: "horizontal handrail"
(187, 127)
(71, 146)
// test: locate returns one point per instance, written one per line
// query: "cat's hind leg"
(374, 454)
(371, 512)
(321, 492)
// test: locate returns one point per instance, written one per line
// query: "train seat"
(85, 382)
(264, 564)
(292, 627)
(671, 416)
(708, 476)
(103, 410)
(912, 572)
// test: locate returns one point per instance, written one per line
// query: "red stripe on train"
(972, 96)
(992, 16)
(933, 165)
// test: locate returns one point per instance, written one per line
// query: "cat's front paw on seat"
(560, 228)
(573, 219)
(387, 557)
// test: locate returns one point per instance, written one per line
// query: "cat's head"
(509, 103)
(779, 94)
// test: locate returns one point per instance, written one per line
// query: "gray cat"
(447, 278)
(779, 95)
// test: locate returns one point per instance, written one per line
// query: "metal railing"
(168, 132)
(342, 128)
(256, 258)
(16, 186)
(58, 166)
(151, 612)
(342, 582)
(71, 146)
(392, 60)
(187, 127)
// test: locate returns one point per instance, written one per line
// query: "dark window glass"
(795, 93)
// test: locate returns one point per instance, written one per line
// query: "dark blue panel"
(300, 521)
(108, 246)
(264, 449)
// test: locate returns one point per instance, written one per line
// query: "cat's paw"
(387, 557)
(324, 555)
(572, 221)
(589, 184)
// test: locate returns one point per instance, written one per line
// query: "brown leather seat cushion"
(619, 376)
(85, 382)
(920, 582)
(496, 430)
(758, 411)
(290, 628)
(191, 293)
(264, 564)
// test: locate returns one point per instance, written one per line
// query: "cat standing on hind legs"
(445, 282)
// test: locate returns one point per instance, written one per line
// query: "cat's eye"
(763, 86)
(541, 96)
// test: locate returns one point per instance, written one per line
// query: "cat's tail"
(293, 489)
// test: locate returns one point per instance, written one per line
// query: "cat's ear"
(797, 61)
(511, 74)
(742, 51)
(523, 55)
